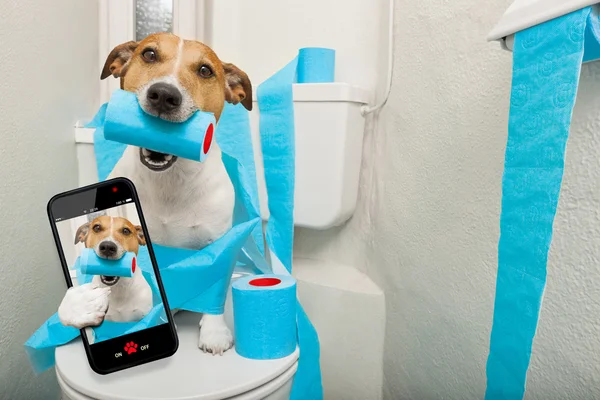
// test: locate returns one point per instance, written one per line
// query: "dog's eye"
(97, 228)
(149, 55)
(205, 71)
(126, 231)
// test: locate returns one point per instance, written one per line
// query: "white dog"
(186, 203)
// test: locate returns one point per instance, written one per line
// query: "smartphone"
(102, 240)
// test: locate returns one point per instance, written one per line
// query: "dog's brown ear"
(117, 59)
(82, 233)
(238, 88)
(140, 235)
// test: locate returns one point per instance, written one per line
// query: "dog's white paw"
(215, 336)
(84, 306)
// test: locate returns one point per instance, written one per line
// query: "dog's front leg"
(84, 306)
(215, 336)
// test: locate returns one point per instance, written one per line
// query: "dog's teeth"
(168, 157)
(156, 163)
(146, 152)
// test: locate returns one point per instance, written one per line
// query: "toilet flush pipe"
(364, 110)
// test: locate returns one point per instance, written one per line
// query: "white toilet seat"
(189, 374)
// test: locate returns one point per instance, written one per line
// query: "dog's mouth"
(109, 280)
(156, 161)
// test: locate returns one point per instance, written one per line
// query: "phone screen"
(103, 241)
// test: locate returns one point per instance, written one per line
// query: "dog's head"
(173, 78)
(111, 238)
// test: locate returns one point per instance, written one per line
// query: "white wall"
(263, 36)
(49, 80)
(428, 220)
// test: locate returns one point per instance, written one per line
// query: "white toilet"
(190, 374)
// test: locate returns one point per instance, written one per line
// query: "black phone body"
(114, 209)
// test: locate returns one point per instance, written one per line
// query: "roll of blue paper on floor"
(91, 264)
(316, 65)
(127, 123)
(264, 315)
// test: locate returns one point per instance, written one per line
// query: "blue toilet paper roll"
(316, 65)
(91, 264)
(264, 315)
(127, 123)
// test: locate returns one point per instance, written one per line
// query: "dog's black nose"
(164, 97)
(107, 249)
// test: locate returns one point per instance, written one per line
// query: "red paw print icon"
(131, 347)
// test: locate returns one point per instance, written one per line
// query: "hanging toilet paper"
(264, 315)
(277, 133)
(546, 67)
(91, 264)
(316, 65)
(126, 122)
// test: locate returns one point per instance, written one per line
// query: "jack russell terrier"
(112, 298)
(187, 204)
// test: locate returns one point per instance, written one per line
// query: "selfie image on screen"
(107, 248)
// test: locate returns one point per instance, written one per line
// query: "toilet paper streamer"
(235, 140)
(90, 264)
(126, 122)
(276, 104)
(264, 315)
(546, 66)
(198, 280)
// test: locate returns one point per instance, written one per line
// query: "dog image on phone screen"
(186, 204)
(112, 298)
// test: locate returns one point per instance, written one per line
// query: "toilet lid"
(190, 374)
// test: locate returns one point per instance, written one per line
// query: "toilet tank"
(329, 135)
